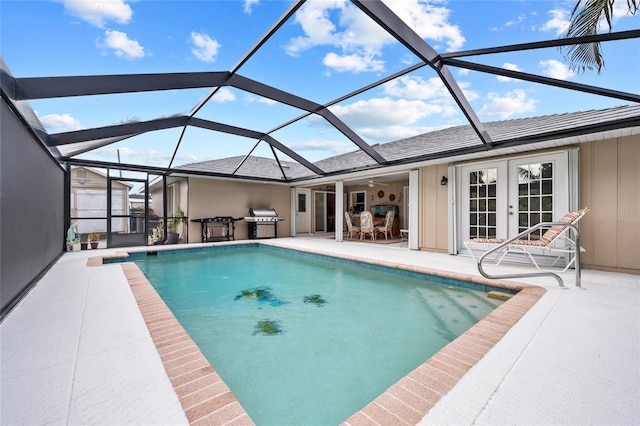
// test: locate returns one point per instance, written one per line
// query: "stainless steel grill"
(263, 223)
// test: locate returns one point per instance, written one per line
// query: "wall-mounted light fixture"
(444, 181)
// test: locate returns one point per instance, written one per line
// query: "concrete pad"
(76, 350)
(37, 398)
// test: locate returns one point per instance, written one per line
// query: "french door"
(324, 209)
(500, 199)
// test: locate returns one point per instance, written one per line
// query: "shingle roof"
(445, 143)
(252, 167)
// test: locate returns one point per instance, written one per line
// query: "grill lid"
(263, 212)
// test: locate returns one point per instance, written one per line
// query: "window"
(357, 201)
(302, 203)
(535, 196)
(482, 203)
(173, 198)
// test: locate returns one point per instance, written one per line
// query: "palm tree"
(585, 20)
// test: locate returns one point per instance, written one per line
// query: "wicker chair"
(366, 225)
(387, 228)
(352, 229)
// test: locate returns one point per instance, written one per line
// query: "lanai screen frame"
(19, 90)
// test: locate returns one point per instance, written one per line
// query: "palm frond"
(586, 17)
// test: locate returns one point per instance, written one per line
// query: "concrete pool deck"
(76, 350)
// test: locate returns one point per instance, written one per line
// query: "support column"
(339, 213)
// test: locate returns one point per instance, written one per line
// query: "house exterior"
(443, 202)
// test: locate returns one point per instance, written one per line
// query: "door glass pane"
(534, 180)
(320, 211)
(357, 201)
(482, 203)
(302, 203)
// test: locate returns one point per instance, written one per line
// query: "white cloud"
(471, 95)
(520, 19)
(507, 105)
(508, 66)
(513, 22)
(318, 29)
(224, 95)
(149, 157)
(621, 10)
(204, 48)
(260, 100)
(248, 5)
(429, 21)
(463, 71)
(360, 41)
(354, 63)
(393, 133)
(383, 112)
(97, 13)
(561, 18)
(57, 123)
(121, 45)
(432, 89)
(558, 23)
(333, 147)
(556, 69)
(416, 88)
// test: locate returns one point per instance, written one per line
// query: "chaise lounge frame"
(557, 240)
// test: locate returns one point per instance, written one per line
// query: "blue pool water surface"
(301, 339)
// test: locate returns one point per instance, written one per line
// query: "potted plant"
(93, 238)
(172, 224)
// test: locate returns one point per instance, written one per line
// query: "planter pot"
(94, 245)
(173, 238)
(83, 246)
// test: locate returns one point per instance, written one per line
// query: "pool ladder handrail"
(542, 273)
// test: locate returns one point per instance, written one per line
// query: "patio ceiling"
(74, 146)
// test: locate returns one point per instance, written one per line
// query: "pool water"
(300, 339)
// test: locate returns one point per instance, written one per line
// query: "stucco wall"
(210, 198)
(433, 234)
(610, 187)
(31, 208)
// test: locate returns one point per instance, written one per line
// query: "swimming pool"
(270, 300)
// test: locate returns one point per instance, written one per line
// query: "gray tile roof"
(253, 167)
(439, 144)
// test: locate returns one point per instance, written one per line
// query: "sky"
(329, 48)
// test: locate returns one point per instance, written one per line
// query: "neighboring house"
(88, 199)
(136, 202)
(449, 187)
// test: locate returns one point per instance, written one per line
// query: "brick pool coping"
(206, 399)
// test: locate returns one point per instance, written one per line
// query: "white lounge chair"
(555, 241)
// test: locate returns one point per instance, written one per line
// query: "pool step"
(499, 295)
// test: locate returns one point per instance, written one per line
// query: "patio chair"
(386, 229)
(366, 225)
(556, 241)
(352, 229)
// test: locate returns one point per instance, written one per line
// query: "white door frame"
(560, 186)
(414, 211)
(302, 220)
(565, 176)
